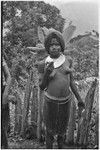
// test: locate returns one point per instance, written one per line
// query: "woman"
(56, 80)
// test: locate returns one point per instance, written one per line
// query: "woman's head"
(54, 40)
(54, 48)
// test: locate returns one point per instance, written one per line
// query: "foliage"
(85, 57)
(23, 18)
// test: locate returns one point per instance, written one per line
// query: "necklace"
(57, 62)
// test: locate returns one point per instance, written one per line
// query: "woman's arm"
(69, 69)
(44, 78)
(43, 81)
(75, 91)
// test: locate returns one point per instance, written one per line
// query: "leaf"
(68, 33)
(40, 34)
(45, 31)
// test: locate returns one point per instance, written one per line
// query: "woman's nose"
(54, 46)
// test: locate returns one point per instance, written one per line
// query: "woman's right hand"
(46, 76)
(49, 68)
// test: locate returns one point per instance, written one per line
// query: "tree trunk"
(71, 126)
(84, 126)
(18, 114)
(26, 105)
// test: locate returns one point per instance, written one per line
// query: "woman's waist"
(58, 99)
(60, 80)
(59, 91)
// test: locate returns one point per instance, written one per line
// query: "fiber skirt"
(56, 115)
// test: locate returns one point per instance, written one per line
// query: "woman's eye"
(54, 44)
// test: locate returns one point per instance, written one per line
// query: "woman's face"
(55, 48)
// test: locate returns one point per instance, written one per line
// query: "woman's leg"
(50, 119)
(49, 140)
(63, 119)
(60, 141)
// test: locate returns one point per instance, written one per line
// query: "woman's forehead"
(54, 40)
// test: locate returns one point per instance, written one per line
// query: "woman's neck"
(55, 57)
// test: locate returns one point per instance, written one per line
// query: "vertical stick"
(40, 113)
(18, 114)
(71, 126)
(87, 115)
(26, 104)
(97, 131)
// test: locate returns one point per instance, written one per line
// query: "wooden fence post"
(18, 114)
(40, 113)
(84, 126)
(38, 120)
(26, 104)
(71, 126)
(97, 120)
(97, 131)
(34, 105)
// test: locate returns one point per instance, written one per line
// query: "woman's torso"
(60, 82)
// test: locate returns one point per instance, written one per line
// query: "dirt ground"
(26, 144)
(19, 143)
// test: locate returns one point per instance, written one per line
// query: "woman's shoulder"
(69, 60)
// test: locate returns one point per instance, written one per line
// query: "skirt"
(56, 115)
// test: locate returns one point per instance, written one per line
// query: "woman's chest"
(62, 70)
(60, 75)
